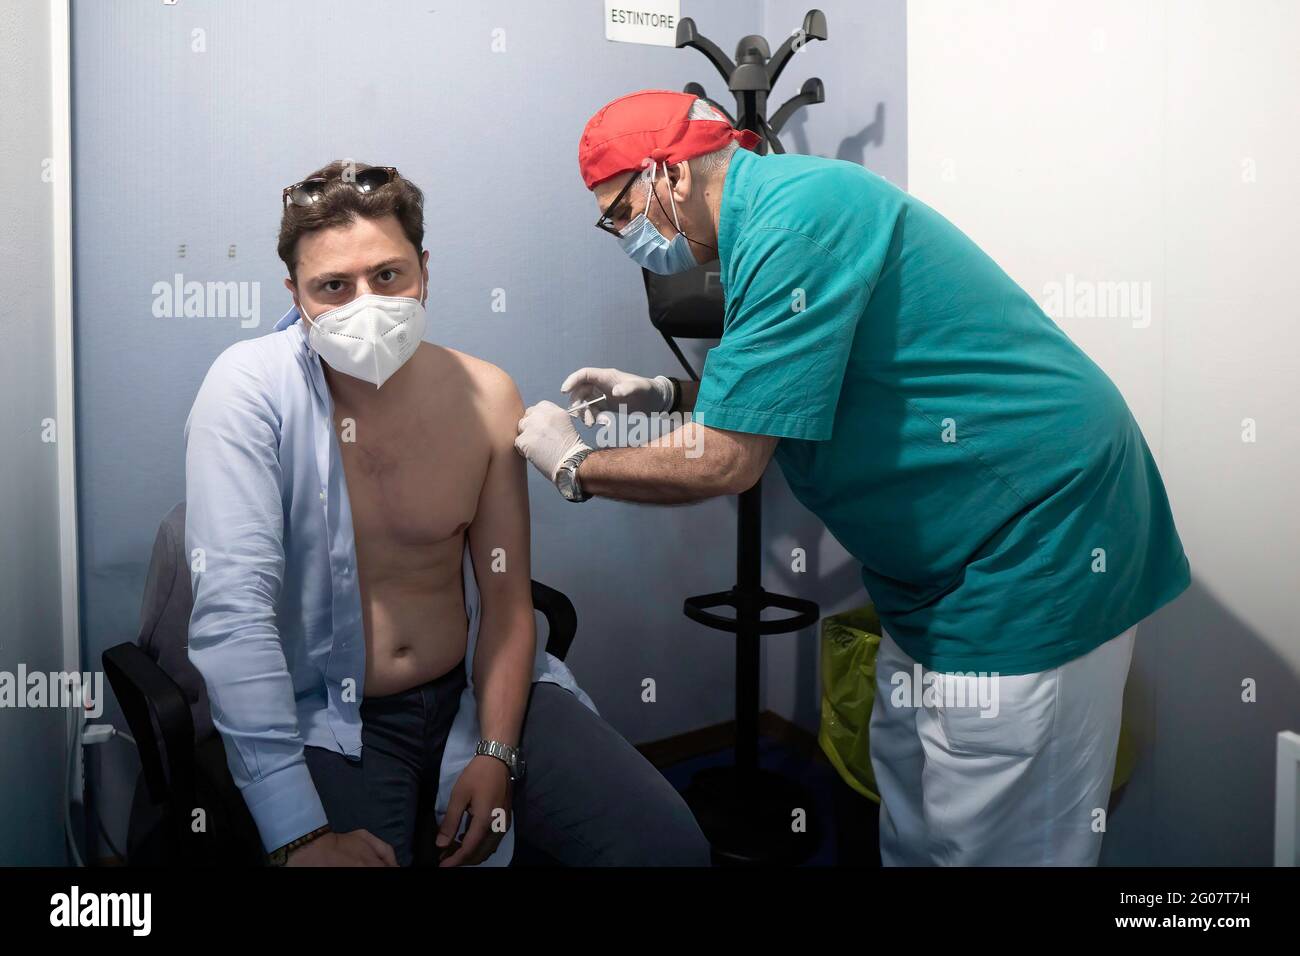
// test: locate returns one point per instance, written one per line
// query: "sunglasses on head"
(365, 181)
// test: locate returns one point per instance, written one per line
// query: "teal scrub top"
(1007, 512)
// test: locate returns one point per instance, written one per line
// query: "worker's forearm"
(661, 475)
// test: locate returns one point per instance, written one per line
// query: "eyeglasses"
(605, 221)
(311, 190)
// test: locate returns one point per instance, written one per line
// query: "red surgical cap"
(650, 127)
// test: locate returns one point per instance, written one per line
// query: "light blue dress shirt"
(276, 629)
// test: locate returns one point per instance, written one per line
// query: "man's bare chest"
(410, 487)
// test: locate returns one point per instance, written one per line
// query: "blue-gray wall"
(181, 146)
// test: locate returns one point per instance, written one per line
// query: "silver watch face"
(566, 481)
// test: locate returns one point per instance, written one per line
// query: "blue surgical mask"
(646, 245)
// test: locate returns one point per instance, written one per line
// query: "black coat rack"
(747, 813)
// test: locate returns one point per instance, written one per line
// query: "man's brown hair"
(341, 203)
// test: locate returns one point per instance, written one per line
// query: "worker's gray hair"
(718, 160)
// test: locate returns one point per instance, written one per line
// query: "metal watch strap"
(505, 753)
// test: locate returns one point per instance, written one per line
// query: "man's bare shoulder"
(488, 388)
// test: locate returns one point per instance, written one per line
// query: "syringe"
(577, 407)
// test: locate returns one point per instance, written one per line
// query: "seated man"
(357, 521)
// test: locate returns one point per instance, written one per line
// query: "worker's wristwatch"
(510, 756)
(566, 478)
(674, 403)
(280, 856)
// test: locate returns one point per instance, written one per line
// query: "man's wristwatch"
(510, 756)
(566, 478)
(280, 857)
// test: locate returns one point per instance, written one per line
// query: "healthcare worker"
(1010, 521)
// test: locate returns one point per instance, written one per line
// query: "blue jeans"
(588, 797)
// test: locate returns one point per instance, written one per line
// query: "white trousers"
(996, 771)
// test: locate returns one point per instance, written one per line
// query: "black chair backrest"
(165, 617)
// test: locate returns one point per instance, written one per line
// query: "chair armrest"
(159, 717)
(561, 619)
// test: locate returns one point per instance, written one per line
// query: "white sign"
(642, 21)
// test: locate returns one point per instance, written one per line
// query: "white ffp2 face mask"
(370, 337)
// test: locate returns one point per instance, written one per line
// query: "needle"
(575, 408)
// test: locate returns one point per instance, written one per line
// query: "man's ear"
(679, 179)
(424, 276)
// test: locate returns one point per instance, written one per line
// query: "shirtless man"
(363, 614)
